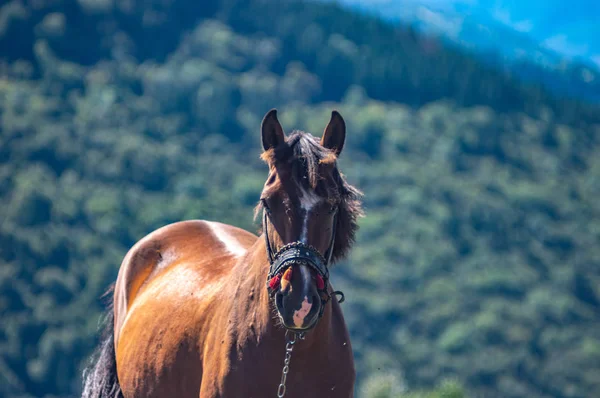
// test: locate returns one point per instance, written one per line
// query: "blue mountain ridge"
(551, 42)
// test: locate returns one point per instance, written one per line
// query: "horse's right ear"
(271, 130)
(335, 133)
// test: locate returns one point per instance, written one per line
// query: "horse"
(205, 309)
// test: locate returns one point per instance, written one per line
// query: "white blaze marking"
(308, 201)
(230, 243)
(302, 313)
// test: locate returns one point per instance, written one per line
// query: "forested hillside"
(478, 260)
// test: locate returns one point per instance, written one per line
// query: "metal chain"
(289, 347)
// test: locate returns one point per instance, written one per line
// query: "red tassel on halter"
(320, 282)
(275, 282)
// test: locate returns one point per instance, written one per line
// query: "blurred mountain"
(552, 42)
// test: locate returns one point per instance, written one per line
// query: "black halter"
(299, 253)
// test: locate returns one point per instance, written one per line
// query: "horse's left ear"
(335, 133)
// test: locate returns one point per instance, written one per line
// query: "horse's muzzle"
(297, 300)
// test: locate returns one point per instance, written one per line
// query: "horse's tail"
(100, 378)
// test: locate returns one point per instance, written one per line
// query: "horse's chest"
(309, 375)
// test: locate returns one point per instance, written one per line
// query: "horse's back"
(166, 285)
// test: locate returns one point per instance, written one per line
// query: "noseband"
(299, 253)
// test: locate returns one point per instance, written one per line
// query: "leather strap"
(299, 253)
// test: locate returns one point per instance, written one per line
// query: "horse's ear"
(271, 130)
(335, 133)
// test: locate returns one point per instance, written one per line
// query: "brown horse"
(204, 309)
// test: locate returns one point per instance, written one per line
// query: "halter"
(299, 253)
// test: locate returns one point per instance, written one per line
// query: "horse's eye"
(332, 209)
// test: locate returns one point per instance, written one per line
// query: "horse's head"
(309, 216)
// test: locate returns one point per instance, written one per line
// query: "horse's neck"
(252, 312)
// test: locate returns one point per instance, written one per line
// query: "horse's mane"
(314, 166)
